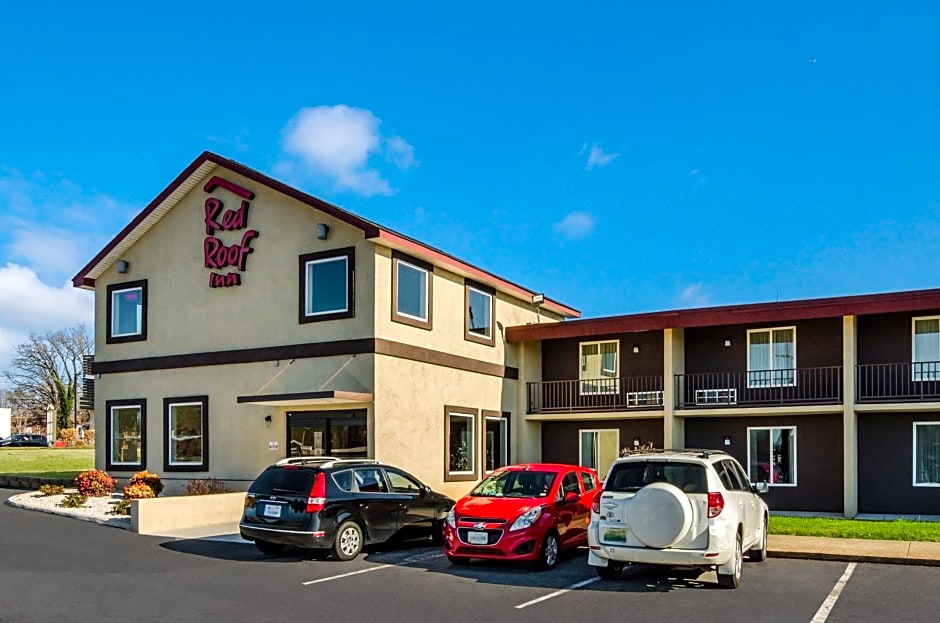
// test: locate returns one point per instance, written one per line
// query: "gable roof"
(783, 311)
(207, 162)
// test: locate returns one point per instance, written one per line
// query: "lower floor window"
(598, 449)
(771, 455)
(126, 434)
(927, 453)
(496, 441)
(460, 435)
(187, 428)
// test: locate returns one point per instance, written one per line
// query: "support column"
(526, 435)
(673, 364)
(849, 418)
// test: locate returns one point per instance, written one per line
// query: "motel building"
(239, 321)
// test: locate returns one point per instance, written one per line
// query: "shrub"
(137, 491)
(150, 479)
(89, 437)
(47, 490)
(73, 500)
(69, 436)
(205, 486)
(122, 507)
(94, 483)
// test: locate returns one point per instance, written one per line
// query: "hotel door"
(342, 434)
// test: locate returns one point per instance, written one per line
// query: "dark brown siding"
(818, 460)
(818, 344)
(560, 439)
(885, 465)
(886, 338)
(561, 359)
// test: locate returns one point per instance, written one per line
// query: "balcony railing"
(808, 386)
(626, 393)
(897, 382)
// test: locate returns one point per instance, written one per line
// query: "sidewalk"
(778, 546)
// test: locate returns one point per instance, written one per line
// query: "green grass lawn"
(856, 529)
(46, 462)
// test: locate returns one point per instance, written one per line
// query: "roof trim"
(805, 309)
(208, 161)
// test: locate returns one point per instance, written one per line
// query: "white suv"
(678, 508)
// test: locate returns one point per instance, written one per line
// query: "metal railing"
(807, 386)
(897, 382)
(604, 394)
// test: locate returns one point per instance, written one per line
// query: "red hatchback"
(522, 512)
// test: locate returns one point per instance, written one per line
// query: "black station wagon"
(339, 505)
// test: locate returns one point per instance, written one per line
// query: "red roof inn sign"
(218, 255)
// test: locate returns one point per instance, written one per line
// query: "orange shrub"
(149, 479)
(95, 483)
(138, 491)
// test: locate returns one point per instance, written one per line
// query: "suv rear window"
(634, 475)
(280, 480)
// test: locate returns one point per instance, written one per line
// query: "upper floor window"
(927, 453)
(599, 368)
(926, 356)
(326, 285)
(479, 317)
(771, 455)
(187, 429)
(127, 312)
(771, 357)
(411, 291)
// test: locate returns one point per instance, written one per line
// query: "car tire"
(548, 553)
(269, 548)
(758, 553)
(437, 533)
(348, 543)
(458, 560)
(612, 571)
(733, 579)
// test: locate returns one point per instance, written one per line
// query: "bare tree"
(47, 371)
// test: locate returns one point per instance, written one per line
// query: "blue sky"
(620, 158)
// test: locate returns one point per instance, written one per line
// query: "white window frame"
(914, 456)
(471, 437)
(771, 430)
(504, 441)
(611, 388)
(202, 435)
(115, 433)
(601, 476)
(919, 374)
(489, 333)
(307, 294)
(427, 298)
(114, 312)
(751, 383)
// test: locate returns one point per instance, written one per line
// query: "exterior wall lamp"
(727, 341)
(727, 440)
(636, 348)
(323, 231)
(123, 266)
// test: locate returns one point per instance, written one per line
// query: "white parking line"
(557, 593)
(823, 613)
(346, 575)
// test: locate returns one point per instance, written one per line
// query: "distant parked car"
(22, 440)
(339, 505)
(523, 512)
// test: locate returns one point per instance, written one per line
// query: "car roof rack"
(324, 461)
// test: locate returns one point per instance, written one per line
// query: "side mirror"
(571, 497)
(760, 487)
(425, 491)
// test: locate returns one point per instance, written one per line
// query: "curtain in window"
(759, 359)
(599, 368)
(926, 349)
(927, 454)
(784, 357)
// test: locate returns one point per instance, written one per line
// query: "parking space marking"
(557, 593)
(823, 613)
(346, 575)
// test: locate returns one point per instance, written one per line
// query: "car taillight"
(596, 504)
(715, 504)
(317, 498)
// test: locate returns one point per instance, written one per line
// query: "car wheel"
(548, 557)
(759, 552)
(733, 579)
(457, 560)
(437, 533)
(348, 542)
(269, 548)
(611, 572)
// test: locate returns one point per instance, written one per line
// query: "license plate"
(272, 510)
(478, 538)
(615, 535)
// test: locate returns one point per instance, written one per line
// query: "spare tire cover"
(660, 515)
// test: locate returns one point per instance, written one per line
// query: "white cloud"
(337, 142)
(31, 306)
(575, 226)
(694, 296)
(597, 157)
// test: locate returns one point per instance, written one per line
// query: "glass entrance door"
(343, 434)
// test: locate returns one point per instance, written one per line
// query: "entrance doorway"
(343, 434)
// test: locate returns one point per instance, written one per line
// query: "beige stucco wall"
(185, 315)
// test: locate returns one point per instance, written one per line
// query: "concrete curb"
(885, 560)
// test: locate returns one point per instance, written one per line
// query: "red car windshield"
(516, 484)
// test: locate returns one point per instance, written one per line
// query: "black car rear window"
(633, 476)
(278, 480)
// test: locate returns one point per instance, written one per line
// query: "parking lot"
(54, 568)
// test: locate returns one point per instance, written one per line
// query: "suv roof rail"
(335, 461)
(704, 452)
(303, 460)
